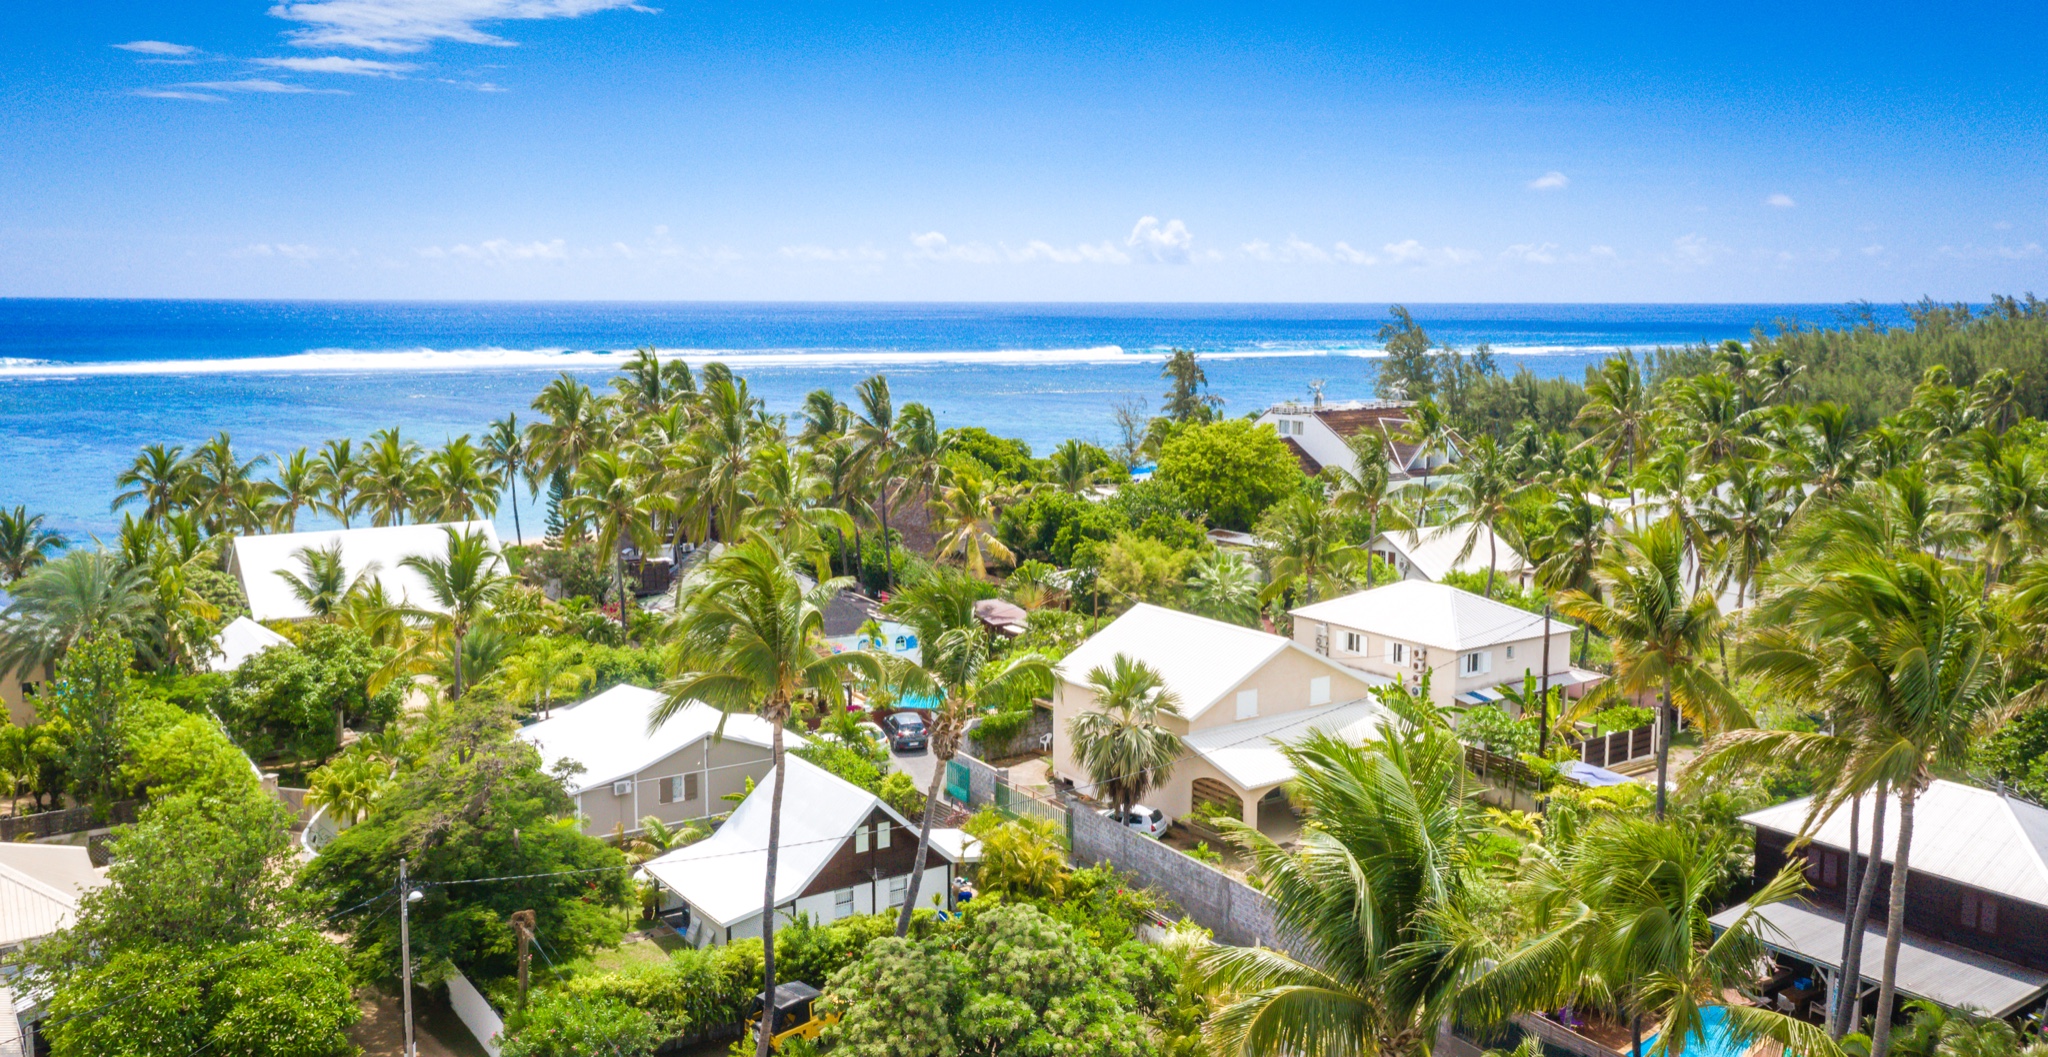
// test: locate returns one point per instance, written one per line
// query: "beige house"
(19, 696)
(1244, 694)
(679, 772)
(1432, 552)
(1467, 644)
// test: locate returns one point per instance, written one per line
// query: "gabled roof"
(1430, 614)
(258, 560)
(1968, 835)
(1248, 752)
(608, 734)
(40, 887)
(1200, 659)
(240, 640)
(1434, 552)
(723, 874)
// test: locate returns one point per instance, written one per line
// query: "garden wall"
(1233, 911)
(475, 1012)
(1029, 740)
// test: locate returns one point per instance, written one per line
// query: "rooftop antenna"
(1316, 388)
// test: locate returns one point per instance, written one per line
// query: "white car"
(1149, 821)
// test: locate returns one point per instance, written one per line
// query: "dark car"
(906, 731)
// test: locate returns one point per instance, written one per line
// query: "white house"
(1243, 695)
(257, 560)
(1467, 644)
(1430, 553)
(240, 640)
(843, 851)
(1320, 435)
(677, 772)
(40, 888)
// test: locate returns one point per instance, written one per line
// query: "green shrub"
(1489, 728)
(565, 1024)
(900, 791)
(1620, 717)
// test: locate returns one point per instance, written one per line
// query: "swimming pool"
(1714, 1040)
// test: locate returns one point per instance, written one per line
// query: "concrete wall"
(475, 1013)
(1024, 742)
(1233, 911)
(721, 766)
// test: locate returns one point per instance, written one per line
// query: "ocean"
(84, 384)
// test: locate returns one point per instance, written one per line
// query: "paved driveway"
(918, 765)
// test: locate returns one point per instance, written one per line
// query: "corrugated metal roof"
(1962, 833)
(1248, 752)
(608, 734)
(1942, 973)
(1433, 615)
(1200, 659)
(258, 560)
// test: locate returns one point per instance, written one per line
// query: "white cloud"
(172, 93)
(814, 254)
(933, 246)
(1299, 250)
(339, 64)
(1413, 253)
(1085, 253)
(1343, 252)
(500, 251)
(157, 47)
(1694, 251)
(1780, 201)
(1531, 253)
(2003, 225)
(1986, 253)
(1873, 250)
(1167, 243)
(413, 25)
(296, 252)
(474, 86)
(1550, 181)
(261, 86)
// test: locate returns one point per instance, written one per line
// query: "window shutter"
(1969, 910)
(1319, 690)
(1987, 916)
(1486, 662)
(860, 840)
(667, 794)
(1247, 704)
(690, 786)
(883, 830)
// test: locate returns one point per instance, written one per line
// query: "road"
(917, 765)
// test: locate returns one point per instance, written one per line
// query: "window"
(842, 903)
(1354, 642)
(1980, 912)
(1478, 663)
(1319, 690)
(898, 888)
(668, 791)
(1396, 652)
(860, 840)
(1823, 868)
(1247, 704)
(882, 831)
(1511, 653)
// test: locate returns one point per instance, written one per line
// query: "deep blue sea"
(84, 384)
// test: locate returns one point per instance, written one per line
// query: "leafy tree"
(1138, 569)
(1011, 980)
(1048, 525)
(85, 705)
(1189, 400)
(297, 700)
(58, 603)
(1229, 470)
(474, 804)
(567, 1024)
(197, 943)
(1007, 458)
(1408, 372)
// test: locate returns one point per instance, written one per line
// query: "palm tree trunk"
(1372, 529)
(516, 530)
(1894, 925)
(1859, 920)
(1837, 1008)
(625, 596)
(924, 845)
(768, 893)
(1664, 725)
(888, 566)
(458, 663)
(1492, 559)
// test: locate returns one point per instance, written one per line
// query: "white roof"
(1432, 614)
(1434, 551)
(240, 640)
(1248, 753)
(1968, 835)
(608, 734)
(955, 845)
(1200, 659)
(258, 560)
(722, 875)
(40, 886)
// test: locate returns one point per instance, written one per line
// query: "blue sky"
(1045, 151)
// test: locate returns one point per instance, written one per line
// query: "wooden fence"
(1619, 747)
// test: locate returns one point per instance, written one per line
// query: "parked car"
(1149, 821)
(907, 732)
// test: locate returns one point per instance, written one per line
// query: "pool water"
(1715, 1040)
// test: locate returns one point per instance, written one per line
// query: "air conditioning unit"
(622, 787)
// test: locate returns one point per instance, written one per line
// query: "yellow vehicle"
(795, 1014)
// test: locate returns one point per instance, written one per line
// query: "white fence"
(476, 1013)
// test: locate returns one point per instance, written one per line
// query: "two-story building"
(1468, 645)
(1243, 695)
(1432, 553)
(1976, 928)
(678, 772)
(1320, 434)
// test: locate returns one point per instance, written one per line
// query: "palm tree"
(1484, 496)
(789, 500)
(1122, 741)
(748, 641)
(1073, 467)
(710, 466)
(326, 585)
(507, 458)
(160, 479)
(964, 516)
(339, 468)
(1223, 586)
(349, 786)
(609, 494)
(877, 435)
(825, 419)
(1433, 435)
(1384, 870)
(959, 669)
(57, 603)
(297, 487)
(464, 584)
(226, 489)
(2001, 500)
(1365, 492)
(546, 670)
(647, 386)
(1660, 632)
(24, 543)
(1310, 549)
(389, 481)
(1189, 401)
(657, 838)
(1617, 411)
(574, 426)
(1621, 908)
(460, 481)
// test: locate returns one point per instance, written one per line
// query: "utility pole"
(405, 897)
(523, 922)
(1543, 697)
